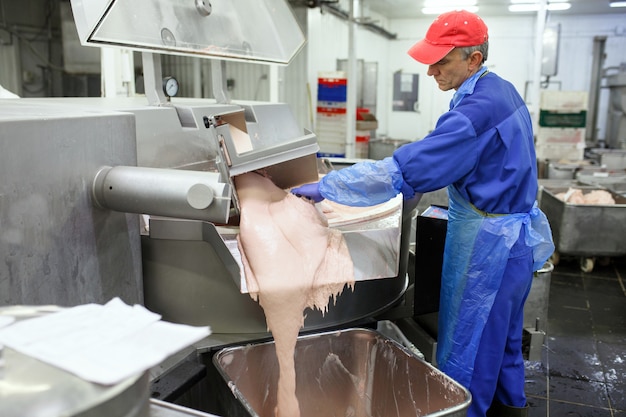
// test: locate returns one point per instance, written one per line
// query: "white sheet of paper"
(6, 320)
(104, 344)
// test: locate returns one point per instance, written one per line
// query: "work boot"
(500, 410)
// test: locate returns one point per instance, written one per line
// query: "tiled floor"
(583, 366)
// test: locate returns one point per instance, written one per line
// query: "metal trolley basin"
(349, 372)
(588, 231)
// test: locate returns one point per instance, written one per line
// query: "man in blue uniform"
(482, 150)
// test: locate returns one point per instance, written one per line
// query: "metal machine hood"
(248, 30)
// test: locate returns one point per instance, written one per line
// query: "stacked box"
(362, 145)
(562, 121)
(560, 143)
(331, 118)
(365, 124)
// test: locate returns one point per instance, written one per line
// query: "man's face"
(452, 70)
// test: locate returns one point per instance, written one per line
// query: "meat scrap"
(576, 196)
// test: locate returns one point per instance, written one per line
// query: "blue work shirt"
(484, 146)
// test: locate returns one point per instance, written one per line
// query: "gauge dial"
(170, 86)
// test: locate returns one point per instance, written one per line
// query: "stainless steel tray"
(347, 372)
(586, 230)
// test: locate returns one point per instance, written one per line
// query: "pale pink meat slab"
(292, 260)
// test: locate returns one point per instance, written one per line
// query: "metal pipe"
(350, 139)
(536, 90)
(591, 133)
(194, 195)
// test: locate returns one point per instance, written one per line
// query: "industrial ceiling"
(394, 9)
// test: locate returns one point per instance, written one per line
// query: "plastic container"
(353, 372)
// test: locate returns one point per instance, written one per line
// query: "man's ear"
(476, 59)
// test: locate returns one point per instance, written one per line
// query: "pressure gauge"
(170, 86)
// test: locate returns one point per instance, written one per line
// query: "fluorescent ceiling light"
(617, 3)
(533, 7)
(444, 9)
(450, 3)
(536, 1)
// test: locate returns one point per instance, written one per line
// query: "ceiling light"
(536, 1)
(533, 7)
(617, 3)
(444, 9)
(450, 3)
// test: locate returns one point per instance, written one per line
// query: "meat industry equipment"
(585, 230)
(134, 197)
(242, 137)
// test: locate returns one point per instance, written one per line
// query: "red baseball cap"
(458, 28)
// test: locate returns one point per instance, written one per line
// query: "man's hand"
(309, 191)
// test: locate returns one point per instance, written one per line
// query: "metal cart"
(586, 231)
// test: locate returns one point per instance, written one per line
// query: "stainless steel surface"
(224, 248)
(203, 140)
(173, 137)
(616, 120)
(597, 64)
(252, 30)
(536, 306)
(349, 372)
(265, 136)
(552, 183)
(57, 247)
(164, 192)
(184, 280)
(373, 243)
(609, 158)
(229, 139)
(153, 82)
(601, 176)
(384, 147)
(165, 409)
(33, 388)
(168, 138)
(189, 269)
(585, 230)
(562, 170)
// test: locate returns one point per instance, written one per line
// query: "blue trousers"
(499, 367)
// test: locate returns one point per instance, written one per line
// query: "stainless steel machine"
(134, 197)
(616, 123)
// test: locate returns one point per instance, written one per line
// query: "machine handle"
(194, 195)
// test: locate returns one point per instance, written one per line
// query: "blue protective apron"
(477, 248)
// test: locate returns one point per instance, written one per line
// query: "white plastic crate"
(561, 135)
(560, 151)
(564, 101)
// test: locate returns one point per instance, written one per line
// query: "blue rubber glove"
(363, 184)
(310, 191)
(366, 183)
